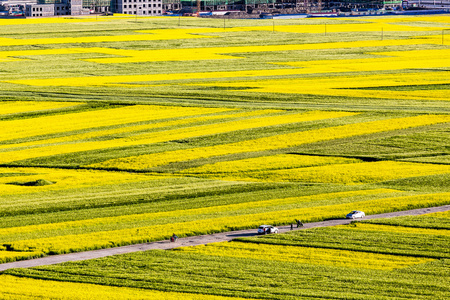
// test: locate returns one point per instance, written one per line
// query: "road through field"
(198, 240)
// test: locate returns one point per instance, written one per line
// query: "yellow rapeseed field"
(343, 85)
(7, 256)
(21, 288)
(131, 128)
(14, 107)
(359, 86)
(213, 210)
(245, 167)
(102, 239)
(373, 25)
(399, 229)
(168, 34)
(408, 63)
(22, 128)
(112, 118)
(307, 255)
(444, 214)
(391, 61)
(394, 60)
(33, 21)
(14, 178)
(214, 53)
(143, 162)
(350, 172)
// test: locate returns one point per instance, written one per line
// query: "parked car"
(266, 229)
(355, 214)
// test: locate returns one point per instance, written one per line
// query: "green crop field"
(121, 130)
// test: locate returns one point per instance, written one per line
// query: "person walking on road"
(174, 238)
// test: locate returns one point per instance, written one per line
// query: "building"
(98, 6)
(429, 4)
(45, 8)
(139, 7)
(41, 8)
(283, 6)
(171, 5)
(363, 4)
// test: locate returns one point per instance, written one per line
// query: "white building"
(430, 4)
(139, 7)
(46, 8)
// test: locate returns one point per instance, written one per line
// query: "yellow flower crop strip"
(212, 53)
(307, 255)
(346, 86)
(15, 129)
(370, 25)
(394, 60)
(13, 107)
(18, 288)
(195, 33)
(354, 173)
(103, 239)
(127, 128)
(443, 214)
(123, 80)
(406, 19)
(232, 126)
(275, 142)
(427, 95)
(390, 80)
(168, 34)
(124, 55)
(9, 256)
(399, 229)
(16, 55)
(186, 212)
(27, 153)
(314, 68)
(59, 20)
(369, 207)
(350, 86)
(62, 179)
(165, 136)
(142, 162)
(242, 168)
(205, 53)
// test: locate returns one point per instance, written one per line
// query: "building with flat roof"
(41, 8)
(282, 6)
(46, 8)
(139, 7)
(430, 4)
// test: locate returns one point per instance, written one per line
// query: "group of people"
(174, 238)
(299, 224)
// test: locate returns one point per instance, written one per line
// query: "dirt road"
(197, 240)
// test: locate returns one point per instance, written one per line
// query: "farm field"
(410, 260)
(119, 130)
